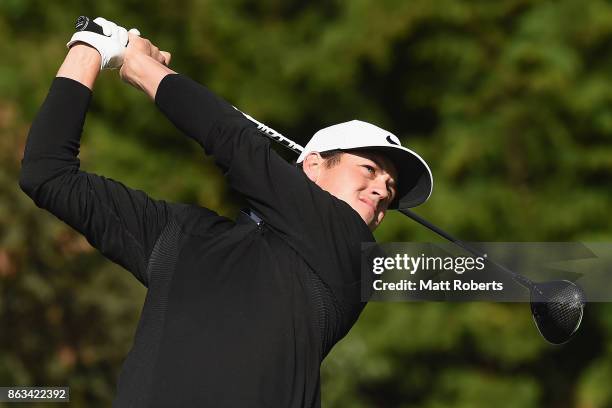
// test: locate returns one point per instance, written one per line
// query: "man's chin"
(370, 220)
(367, 214)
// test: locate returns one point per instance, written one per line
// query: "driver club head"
(557, 308)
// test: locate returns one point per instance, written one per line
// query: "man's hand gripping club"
(142, 64)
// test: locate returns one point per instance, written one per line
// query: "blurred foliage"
(509, 101)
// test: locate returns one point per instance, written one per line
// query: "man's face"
(364, 180)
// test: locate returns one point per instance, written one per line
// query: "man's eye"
(370, 169)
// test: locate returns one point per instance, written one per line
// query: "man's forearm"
(82, 64)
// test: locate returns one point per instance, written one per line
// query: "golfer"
(238, 313)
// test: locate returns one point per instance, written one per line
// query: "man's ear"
(312, 166)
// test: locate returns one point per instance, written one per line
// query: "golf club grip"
(84, 23)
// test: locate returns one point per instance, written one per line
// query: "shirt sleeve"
(324, 230)
(122, 223)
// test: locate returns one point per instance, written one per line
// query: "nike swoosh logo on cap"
(391, 141)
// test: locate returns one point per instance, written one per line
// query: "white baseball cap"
(415, 181)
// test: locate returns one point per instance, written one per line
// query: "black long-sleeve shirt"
(236, 314)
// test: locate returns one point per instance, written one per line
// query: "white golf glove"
(111, 45)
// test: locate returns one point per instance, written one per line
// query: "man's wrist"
(85, 53)
(81, 64)
(144, 72)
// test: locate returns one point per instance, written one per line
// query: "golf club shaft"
(518, 278)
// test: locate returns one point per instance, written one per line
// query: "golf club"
(557, 306)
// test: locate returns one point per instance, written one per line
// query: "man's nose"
(379, 189)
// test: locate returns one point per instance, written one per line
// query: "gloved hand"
(111, 45)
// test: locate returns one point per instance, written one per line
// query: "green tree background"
(509, 101)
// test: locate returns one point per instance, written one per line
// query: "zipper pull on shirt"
(247, 212)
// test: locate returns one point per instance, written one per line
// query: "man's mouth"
(369, 203)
